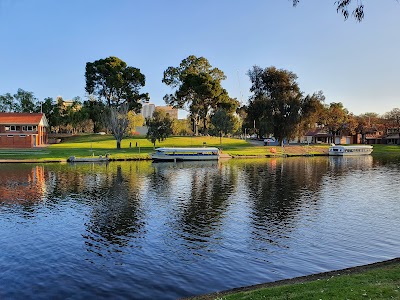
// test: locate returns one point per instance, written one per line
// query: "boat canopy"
(186, 150)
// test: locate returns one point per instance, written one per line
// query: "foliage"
(114, 82)
(337, 119)
(276, 105)
(313, 112)
(197, 89)
(392, 118)
(342, 7)
(7, 103)
(181, 127)
(25, 101)
(134, 120)
(95, 110)
(159, 127)
(224, 122)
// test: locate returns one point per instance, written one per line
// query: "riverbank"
(373, 281)
(139, 148)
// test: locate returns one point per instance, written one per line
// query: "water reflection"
(21, 184)
(169, 230)
(279, 189)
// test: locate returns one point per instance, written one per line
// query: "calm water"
(163, 231)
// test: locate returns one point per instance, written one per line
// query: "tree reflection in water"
(278, 190)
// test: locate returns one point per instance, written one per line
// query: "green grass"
(95, 145)
(380, 283)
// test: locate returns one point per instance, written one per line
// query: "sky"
(45, 45)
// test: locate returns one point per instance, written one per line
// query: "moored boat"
(181, 154)
(88, 159)
(337, 150)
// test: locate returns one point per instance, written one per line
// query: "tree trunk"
(220, 139)
(118, 144)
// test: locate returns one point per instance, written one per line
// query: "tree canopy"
(114, 82)
(276, 105)
(197, 89)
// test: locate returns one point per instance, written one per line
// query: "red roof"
(20, 118)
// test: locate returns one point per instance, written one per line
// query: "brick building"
(23, 130)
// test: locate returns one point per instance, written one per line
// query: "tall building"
(147, 110)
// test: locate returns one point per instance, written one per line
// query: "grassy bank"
(140, 148)
(376, 281)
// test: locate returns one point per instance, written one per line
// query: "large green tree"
(114, 82)
(25, 101)
(277, 104)
(197, 89)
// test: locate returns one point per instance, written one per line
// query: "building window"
(10, 135)
(13, 128)
(30, 128)
(22, 135)
(23, 128)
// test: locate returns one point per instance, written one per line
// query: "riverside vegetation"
(136, 148)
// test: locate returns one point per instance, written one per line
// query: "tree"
(7, 103)
(134, 120)
(114, 82)
(393, 121)
(181, 127)
(313, 112)
(337, 119)
(159, 127)
(95, 110)
(25, 101)
(118, 122)
(197, 89)
(342, 6)
(278, 101)
(224, 123)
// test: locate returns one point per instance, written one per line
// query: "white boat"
(180, 154)
(88, 159)
(336, 150)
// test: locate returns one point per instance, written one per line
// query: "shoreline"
(301, 279)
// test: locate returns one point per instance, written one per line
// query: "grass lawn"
(380, 282)
(95, 145)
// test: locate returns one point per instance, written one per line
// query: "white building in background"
(147, 110)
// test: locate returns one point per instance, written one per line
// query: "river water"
(142, 230)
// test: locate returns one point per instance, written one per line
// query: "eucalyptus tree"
(277, 103)
(114, 82)
(197, 89)
(118, 86)
(25, 101)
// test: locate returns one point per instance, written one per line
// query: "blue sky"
(45, 45)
